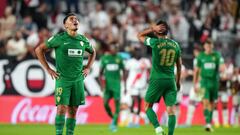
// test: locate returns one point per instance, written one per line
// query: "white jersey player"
(194, 98)
(138, 72)
(224, 93)
(235, 90)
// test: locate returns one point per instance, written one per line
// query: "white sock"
(131, 118)
(158, 130)
(124, 115)
(191, 109)
(215, 117)
(137, 118)
(225, 116)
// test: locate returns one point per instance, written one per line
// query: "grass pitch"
(36, 129)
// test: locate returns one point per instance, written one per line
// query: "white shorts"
(236, 99)
(138, 92)
(126, 99)
(179, 96)
(224, 96)
(193, 96)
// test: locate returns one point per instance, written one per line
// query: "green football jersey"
(209, 64)
(69, 54)
(112, 66)
(165, 53)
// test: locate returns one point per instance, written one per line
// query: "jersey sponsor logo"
(75, 52)
(117, 61)
(213, 58)
(112, 67)
(209, 65)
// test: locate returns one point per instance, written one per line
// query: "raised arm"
(153, 28)
(40, 53)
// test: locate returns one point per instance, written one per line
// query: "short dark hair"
(159, 22)
(208, 41)
(66, 17)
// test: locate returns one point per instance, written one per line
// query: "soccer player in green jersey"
(110, 68)
(165, 54)
(209, 63)
(69, 48)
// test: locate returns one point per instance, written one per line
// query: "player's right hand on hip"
(53, 73)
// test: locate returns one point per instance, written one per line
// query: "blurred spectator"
(40, 16)
(179, 26)
(71, 3)
(55, 20)
(99, 18)
(28, 27)
(28, 7)
(35, 39)
(7, 24)
(16, 47)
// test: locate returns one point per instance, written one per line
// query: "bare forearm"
(178, 74)
(143, 34)
(41, 57)
(91, 59)
(196, 76)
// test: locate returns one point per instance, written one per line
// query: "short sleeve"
(198, 62)
(102, 62)
(221, 60)
(88, 46)
(194, 62)
(149, 41)
(53, 42)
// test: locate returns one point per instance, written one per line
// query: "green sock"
(59, 124)
(108, 109)
(71, 122)
(117, 110)
(171, 124)
(210, 116)
(207, 114)
(152, 117)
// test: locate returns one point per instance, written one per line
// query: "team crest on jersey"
(213, 58)
(81, 43)
(117, 61)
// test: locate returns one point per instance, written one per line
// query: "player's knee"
(147, 106)
(71, 112)
(206, 104)
(170, 110)
(61, 109)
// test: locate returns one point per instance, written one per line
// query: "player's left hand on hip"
(86, 71)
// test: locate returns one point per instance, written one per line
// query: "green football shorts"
(115, 94)
(69, 92)
(165, 88)
(210, 89)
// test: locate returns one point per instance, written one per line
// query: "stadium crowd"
(25, 24)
